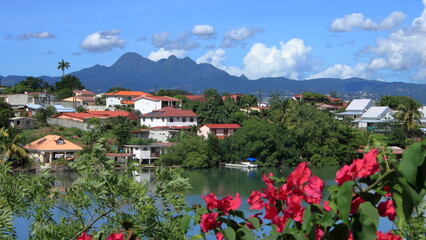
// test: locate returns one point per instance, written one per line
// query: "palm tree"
(10, 146)
(409, 114)
(63, 65)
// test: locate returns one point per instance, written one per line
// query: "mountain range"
(135, 72)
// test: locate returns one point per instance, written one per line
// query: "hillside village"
(142, 126)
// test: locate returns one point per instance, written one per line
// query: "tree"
(120, 128)
(190, 151)
(395, 102)
(69, 82)
(409, 114)
(64, 93)
(63, 65)
(6, 112)
(42, 114)
(31, 84)
(10, 145)
(117, 89)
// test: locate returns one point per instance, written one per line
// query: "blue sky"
(380, 39)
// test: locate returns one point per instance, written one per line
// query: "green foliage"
(246, 101)
(117, 89)
(5, 113)
(63, 65)
(120, 128)
(11, 146)
(416, 228)
(395, 102)
(42, 114)
(80, 108)
(314, 97)
(171, 92)
(141, 141)
(69, 82)
(31, 84)
(64, 93)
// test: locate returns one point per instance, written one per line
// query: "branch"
(378, 180)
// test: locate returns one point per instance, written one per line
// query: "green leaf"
(228, 233)
(245, 233)
(344, 200)
(254, 222)
(327, 219)
(202, 210)
(412, 160)
(366, 222)
(184, 222)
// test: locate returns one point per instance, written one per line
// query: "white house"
(123, 97)
(423, 119)
(158, 134)
(146, 104)
(357, 108)
(146, 154)
(375, 118)
(169, 117)
(218, 130)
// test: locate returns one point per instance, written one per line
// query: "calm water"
(219, 181)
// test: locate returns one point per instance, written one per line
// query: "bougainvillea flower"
(388, 192)
(386, 209)
(219, 236)
(344, 174)
(228, 203)
(318, 233)
(387, 236)
(210, 200)
(208, 222)
(271, 211)
(84, 236)
(300, 175)
(355, 204)
(327, 206)
(267, 180)
(249, 225)
(294, 208)
(116, 236)
(255, 200)
(360, 168)
(279, 222)
(313, 190)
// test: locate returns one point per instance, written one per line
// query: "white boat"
(241, 165)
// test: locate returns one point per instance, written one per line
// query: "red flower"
(300, 175)
(116, 236)
(313, 190)
(360, 168)
(84, 236)
(386, 209)
(318, 233)
(227, 203)
(255, 200)
(208, 222)
(210, 200)
(355, 204)
(387, 236)
(249, 225)
(344, 174)
(267, 180)
(219, 236)
(326, 206)
(387, 189)
(271, 211)
(295, 209)
(279, 222)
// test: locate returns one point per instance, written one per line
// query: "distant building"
(169, 117)
(81, 100)
(218, 130)
(376, 118)
(146, 104)
(123, 97)
(234, 96)
(33, 98)
(103, 115)
(22, 122)
(159, 134)
(196, 98)
(357, 108)
(146, 154)
(32, 109)
(423, 119)
(52, 147)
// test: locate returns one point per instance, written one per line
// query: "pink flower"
(387, 236)
(294, 208)
(387, 189)
(344, 174)
(360, 168)
(386, 209)
(84, 236)
(326, 206)
(255, 200)
(313, 190)
(271, 211)
(219, 236)
(227, 203)
(208, 222)
(318, 233)
(355, 204)
(210, 200)
(300, 175)
(280, 222)
(116, 236)
(268, 181)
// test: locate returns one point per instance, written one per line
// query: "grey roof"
(59, 108)
(359, 105)
(376, 112)
(349, 113)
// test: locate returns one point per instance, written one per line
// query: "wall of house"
(23, 123)
(204, 131)
(19, 99)
(168, 121)
(146, 105)
(113, 100)
(67, 123)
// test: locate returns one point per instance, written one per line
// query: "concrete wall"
(147, 105)
(19, 99)
(67, 123)
(165, 121)
(95, 108)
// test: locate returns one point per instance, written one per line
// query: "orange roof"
(159, 98)
(52, 143)
(127, 102)
(128, 93)
(95, 114)
(220, 126)
(170, 112)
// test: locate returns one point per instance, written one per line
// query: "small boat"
(249, 164)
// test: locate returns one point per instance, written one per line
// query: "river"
(220, 181)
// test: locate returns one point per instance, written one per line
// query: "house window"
(171, 119)
(152, 119)
(184, 119)
(143, 119)
(191, 119)
(18, 123)
(145, 149)
(225, 132)
(162, 119)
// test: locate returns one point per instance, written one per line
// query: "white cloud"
(103, 41)
(163, 53)
(181, 42)
(204, 31)
(357, 20)
(342, 71)
(40, 35)
(235, 37)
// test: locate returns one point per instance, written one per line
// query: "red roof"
(127, 102)
(170, 112)
(85, 92)
(128, 93)
(221, 126)
(95, 114)
(120, 154)
(159, 98)
(197, 98)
